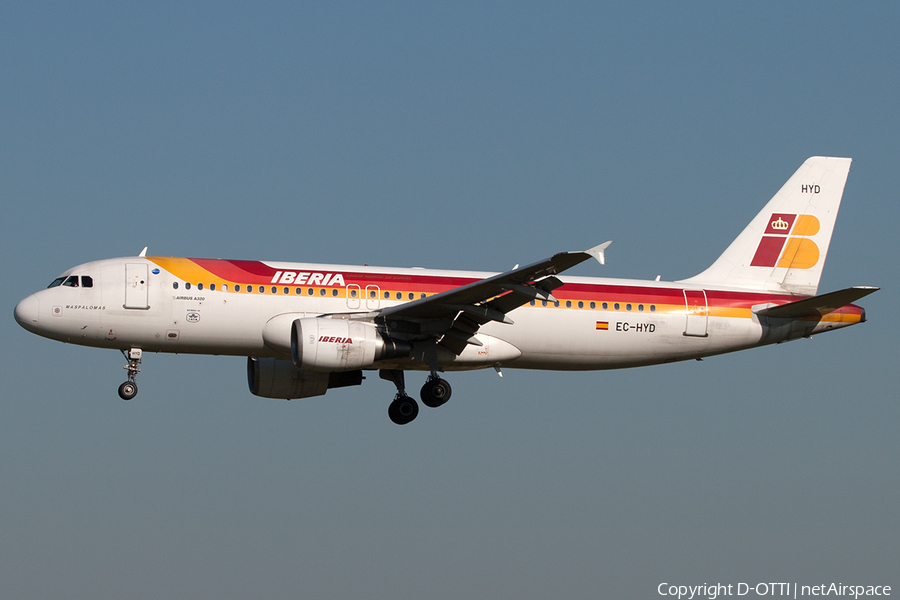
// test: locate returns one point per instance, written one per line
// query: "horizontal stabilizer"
(817, 305)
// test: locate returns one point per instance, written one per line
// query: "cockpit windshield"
(72, 281)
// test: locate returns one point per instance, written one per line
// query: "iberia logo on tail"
(786, 243)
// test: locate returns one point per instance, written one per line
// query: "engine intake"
(320, 344)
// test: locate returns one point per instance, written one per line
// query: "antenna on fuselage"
(143, 252)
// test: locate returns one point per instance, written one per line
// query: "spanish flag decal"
(602, 325)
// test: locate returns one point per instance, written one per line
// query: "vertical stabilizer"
(783, 248)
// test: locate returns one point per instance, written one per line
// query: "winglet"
(143, 252)
(597, 252)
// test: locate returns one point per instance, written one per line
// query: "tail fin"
(783, 248)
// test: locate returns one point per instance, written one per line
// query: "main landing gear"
(435, 392)
(404, 409)
(129, 390)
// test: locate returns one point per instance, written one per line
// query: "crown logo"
(780, 224)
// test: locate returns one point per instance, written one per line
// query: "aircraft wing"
(455, 315)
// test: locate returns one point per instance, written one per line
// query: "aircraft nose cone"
(27, 312)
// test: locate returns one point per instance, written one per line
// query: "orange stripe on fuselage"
(188, 270)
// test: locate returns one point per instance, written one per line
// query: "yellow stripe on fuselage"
(187, 270)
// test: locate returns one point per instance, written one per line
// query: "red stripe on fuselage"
(256, 272)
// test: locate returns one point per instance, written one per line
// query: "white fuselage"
(141, 303)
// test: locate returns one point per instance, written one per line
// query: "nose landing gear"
(129, 390)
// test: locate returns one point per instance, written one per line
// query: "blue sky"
(474, 136)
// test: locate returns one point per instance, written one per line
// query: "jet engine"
(277, 378)
(320, 344)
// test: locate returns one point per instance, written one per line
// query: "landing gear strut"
(436, 391)
(129, 390)
(403, 409)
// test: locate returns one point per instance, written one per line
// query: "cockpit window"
(87, 281)
(71, 281)
(56, 282)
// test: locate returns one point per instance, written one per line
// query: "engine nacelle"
(277, 378)
(320, 344)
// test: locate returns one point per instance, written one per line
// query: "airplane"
(307, 328)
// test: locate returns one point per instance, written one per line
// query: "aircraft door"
(373, 301)
(353, 294)
(136, 292)
(697, 313)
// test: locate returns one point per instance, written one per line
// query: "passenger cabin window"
(174, 285)
(56, 282)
